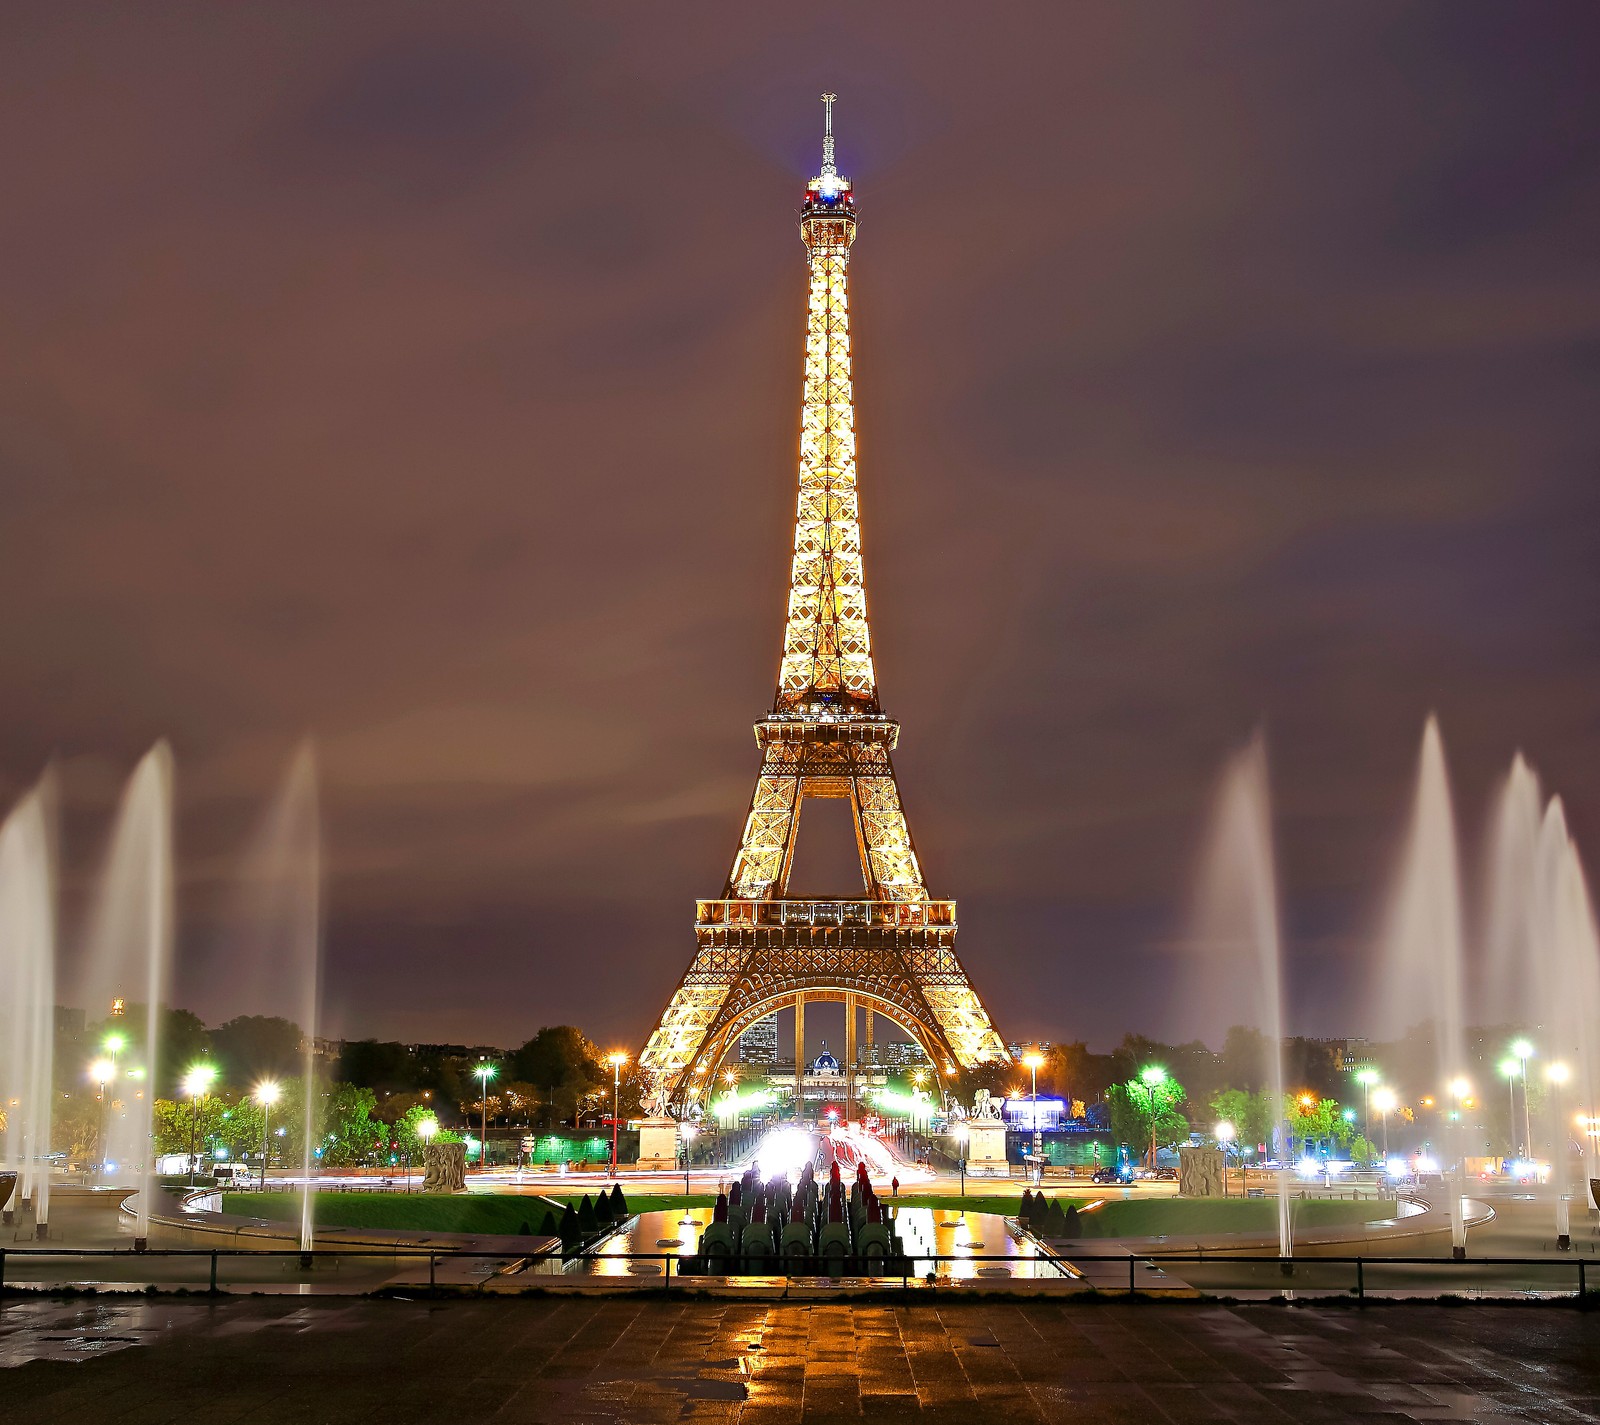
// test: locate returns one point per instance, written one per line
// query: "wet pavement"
(631, 1360)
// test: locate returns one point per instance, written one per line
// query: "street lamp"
(960, 1131)
(1385, 1100)
(616, 1059)
(266, 1094)
(1367, 1076)
(1223, 1133)
(686, 1131)
(1522, 1050)
(1033, 1061)
(1557, 1074)
(483, 1073)
(1152, 1077)
(1511, 1068)
(196, 1084)
(102, 1071)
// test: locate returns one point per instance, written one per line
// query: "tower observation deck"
(891, 951)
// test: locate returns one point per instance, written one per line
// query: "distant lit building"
(1019, 1113)
(900, 1054)
(759, 1043)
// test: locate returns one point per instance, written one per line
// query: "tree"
(564, 1065)
(1312, 1118)
(1251, 1116)
(1142, 1112)
(251, 1047)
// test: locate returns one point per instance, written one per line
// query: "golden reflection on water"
(925, 1232)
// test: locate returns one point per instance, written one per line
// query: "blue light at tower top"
(829, 188)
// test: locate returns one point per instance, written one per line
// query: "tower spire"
(827, 135)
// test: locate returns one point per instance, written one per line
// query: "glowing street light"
(1385, 1100)
(687, 1132)
(1152, 1076)
(960, 1132)
(196, 1084)
(1224, 1133)
(1033, 1061)
(617, 1059)
(267, 1093)
(1522, 1050)
(1368, 1077)
(102, 1071)
(483, 1072)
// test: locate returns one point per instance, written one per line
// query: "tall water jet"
(1422, 945)
(130, 946)
(278, 958)
(1239, 925)
(1505, 992)
(27, 1006)
(1567, 971)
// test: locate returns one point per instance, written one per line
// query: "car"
(1113, 1175)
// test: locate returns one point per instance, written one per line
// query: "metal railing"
(921, 1268)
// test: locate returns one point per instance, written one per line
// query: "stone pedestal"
(986, 1149)
(444, 1167)
(1200, 1172)
(658, 1145)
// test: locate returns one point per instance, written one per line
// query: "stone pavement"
(642, 1360)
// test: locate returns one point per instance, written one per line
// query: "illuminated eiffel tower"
(893, 951)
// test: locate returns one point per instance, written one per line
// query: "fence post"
(3, 1275)
(213, 1272)
(1583, 1284)
(431, 1260)
(1130, 1273)
(1361, 1283)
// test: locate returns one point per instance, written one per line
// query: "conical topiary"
(588, 1222)
(619, 1204)
(1026, 1210)
(571, 1228)
(602, 1208)
(1073, 1222)
(1056, 1219)
(547, 1227)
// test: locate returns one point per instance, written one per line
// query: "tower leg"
(849, 1057)
(799, 1057)
(871, 1059)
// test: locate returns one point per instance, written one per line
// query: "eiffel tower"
(892, 952)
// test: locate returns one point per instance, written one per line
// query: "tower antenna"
(827, 134)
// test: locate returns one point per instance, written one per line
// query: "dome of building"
(825, 1063)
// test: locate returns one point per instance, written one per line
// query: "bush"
(588, 1222)
(548, 1227)
(619, 1204)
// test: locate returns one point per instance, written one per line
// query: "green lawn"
(399, 1211)
(508, 1215)
(1153, 1216)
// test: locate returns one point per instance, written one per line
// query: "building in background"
(759, 1043)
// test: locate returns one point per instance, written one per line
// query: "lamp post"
(1558, 1074)
(1385, 1100)
(1522, 1050)
(1510, 1068)
(960, 1131)
(102, 1071)
(1223, 1133)
(196, 1084)
(483, 1073)
(1152, 1078)
(266, 1095)
(1366, 1076)
(616, 1059)
(1033, 1061)
(686, 1131)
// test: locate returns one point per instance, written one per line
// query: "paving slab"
(634, 1361)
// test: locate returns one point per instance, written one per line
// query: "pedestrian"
(894, 1187)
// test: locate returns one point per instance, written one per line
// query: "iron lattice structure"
(892, 952)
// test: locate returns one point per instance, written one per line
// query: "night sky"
(426, 379)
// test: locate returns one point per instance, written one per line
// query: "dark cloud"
(427, 381)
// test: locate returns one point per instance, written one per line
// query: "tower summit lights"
(891, 952)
